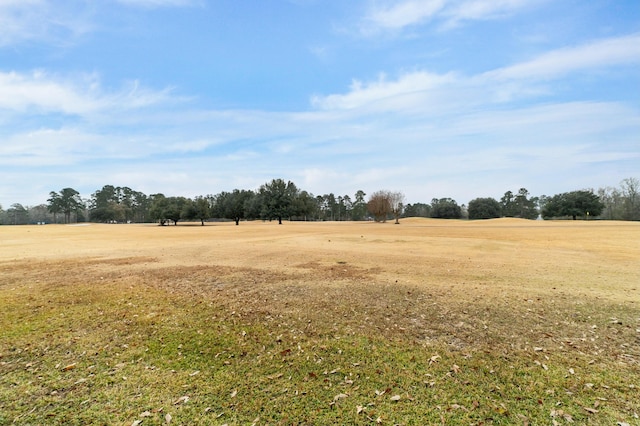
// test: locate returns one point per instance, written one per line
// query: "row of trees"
(608, 203)
(278, 200)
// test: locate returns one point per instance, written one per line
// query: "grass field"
(428, 322)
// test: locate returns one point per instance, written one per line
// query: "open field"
(429, 322)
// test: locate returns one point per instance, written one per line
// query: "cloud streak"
(443, 92)
(61, 23)
(396, 16)
(80, 95)
(41, 20)
(151, 4)
(598, 54)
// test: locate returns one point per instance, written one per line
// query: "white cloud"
(383, 90)
(598, 54)
(46, 147)
(59, 22)
(39, 91)
(400, 14)
(81, 95)
(160, 3)
(41, 20)
(470, 10)
(421, 90)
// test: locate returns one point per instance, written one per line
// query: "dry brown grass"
(513, 292)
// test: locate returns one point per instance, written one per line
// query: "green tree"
(331, 206)
(305, 206)
(507, 204)
(277, 199)
(359, 206)
(121, 204)
(102, 204)
(253, 206)
(54, 204)
(573, 204)
(519, 205)
(67, 201)
(234, 205)
(525, 206)
(417, 210)
(166, 209)
(445, 208)
(484, 208)
(198, 208)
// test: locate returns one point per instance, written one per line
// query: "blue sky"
(434, 98)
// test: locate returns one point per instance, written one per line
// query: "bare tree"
(396, 200)
(631, 192)
(379, 205)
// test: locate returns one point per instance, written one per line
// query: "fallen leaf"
(195, 373)
(455, 368)
(234, 393)
(136, 422)
(69, 367)
(146, 414)
(181, 400)
(167, 418)
(590, 410)
(434, 359)
(359, 409)
(395, 398)
(340, 396)
(276, 376)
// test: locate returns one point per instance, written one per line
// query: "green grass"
(79, 346)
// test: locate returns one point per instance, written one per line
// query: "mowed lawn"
(427, 322)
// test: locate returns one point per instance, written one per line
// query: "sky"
(433, 98)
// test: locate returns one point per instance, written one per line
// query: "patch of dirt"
(341, 270)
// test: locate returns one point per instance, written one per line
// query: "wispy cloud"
(160, 3)
(598, 54)
(383, 90)
(41, 20)
(82, 95)
(59, 22)
(421, 89)
(474, 10)
(400, 14)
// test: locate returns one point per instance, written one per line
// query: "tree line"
(282, 200)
